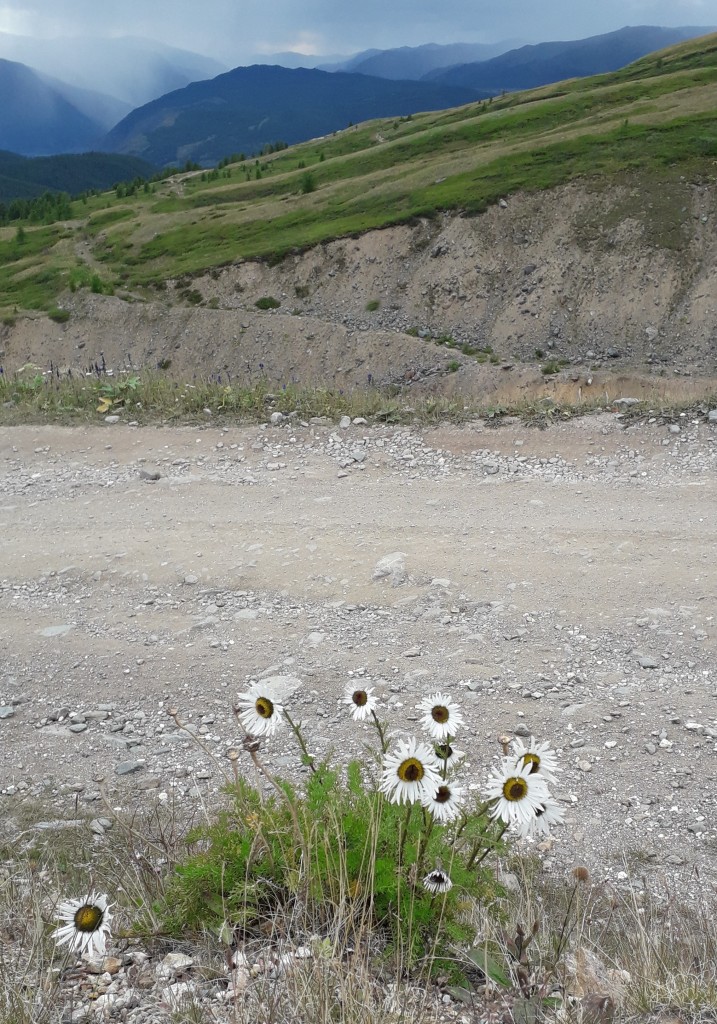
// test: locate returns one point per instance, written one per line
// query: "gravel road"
(557, 583)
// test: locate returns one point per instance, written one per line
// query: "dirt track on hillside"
(560, 582)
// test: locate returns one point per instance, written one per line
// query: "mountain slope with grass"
(558, 233)
(249, 108)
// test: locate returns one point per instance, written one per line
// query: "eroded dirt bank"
(618, 283)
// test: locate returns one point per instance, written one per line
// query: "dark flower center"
(444, 751)
(443, 795)
(360, 698)
(533, 760)
(88, 918)
(437, 877)
(440, 714)
(410, 770)
(515, 788)
(264, 707)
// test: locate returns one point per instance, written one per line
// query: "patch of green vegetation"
(102, 220)
(372, 305)
(83, 277)
(267, 302)
(553, 366)
(60, 316)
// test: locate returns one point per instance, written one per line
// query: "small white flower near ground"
(362, 702)
(86, 928)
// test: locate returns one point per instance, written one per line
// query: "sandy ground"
(559, 582)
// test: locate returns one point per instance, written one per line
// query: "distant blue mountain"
(250, 107)
(414, 62)
(36, 119)
(128, 68)
(532, 66)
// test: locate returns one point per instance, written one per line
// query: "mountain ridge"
(531, 66)
(250, 107)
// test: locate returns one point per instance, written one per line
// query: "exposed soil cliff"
(609, 283)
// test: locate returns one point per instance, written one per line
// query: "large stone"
(393, 566)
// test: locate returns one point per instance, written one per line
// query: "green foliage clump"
(60, 316)
(553, 366)
(372, 306)
(267, 302)
(340, 851)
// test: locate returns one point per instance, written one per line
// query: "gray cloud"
(238, 31)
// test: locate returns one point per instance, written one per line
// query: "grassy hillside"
(655, 120)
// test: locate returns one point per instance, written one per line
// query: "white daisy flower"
(261, 709)
(444, 802)
(549, 813)
(539, 756)
(362, 702)
(86, 927)
(448, 755)
(409, 772)
(518, 793)
(437, 881)
(442, 716)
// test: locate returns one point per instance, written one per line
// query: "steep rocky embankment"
(605, 282)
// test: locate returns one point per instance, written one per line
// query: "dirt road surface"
(557, 583)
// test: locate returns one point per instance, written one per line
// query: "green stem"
(423, 841)
(308, 759)
(404, 834)
(381, 733)
(491, 845)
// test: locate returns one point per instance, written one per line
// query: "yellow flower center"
(515, 788)
(264, 707)
(410, 770)
(360, 698)
(88, 918)
(440, 714)
(533, 760)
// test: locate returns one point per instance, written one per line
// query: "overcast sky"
(236, 31)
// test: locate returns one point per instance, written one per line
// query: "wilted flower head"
(437, 881)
